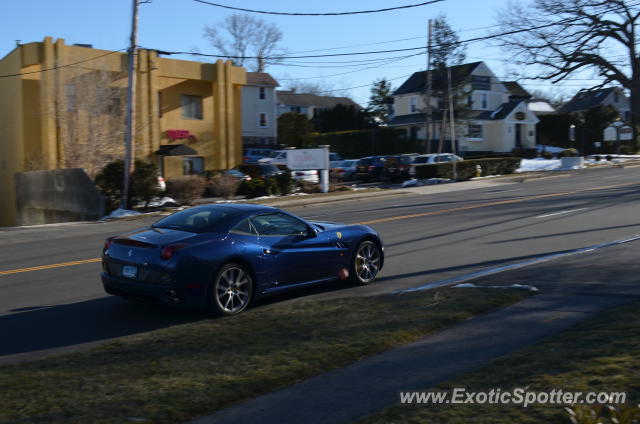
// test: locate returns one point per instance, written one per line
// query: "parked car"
(237, 174)
(276, 157)
(370, 168)
(345, 169)
(222, 257)
(334, 157)
(431, 158)
(397, 166)
(253, 155)
(259, 170)
(310, 176)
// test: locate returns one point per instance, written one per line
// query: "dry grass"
(174, 374)
(602, 354)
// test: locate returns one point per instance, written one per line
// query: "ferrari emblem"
(339, 234)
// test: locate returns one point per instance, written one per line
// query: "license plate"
(129, 271)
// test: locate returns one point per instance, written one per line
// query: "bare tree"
(90, 117)
(247, 36)
(318, 87)
(570, 36)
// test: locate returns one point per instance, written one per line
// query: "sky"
(178, 25)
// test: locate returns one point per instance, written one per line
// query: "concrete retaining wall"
(61, 195)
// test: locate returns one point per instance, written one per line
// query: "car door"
(294, 253)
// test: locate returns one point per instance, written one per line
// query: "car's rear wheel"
(232, 289)
(366, 262)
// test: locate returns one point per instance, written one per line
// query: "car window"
(245, 227)
(196, 220)
(278, 224)
(421, 159)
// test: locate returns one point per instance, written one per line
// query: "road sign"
(308, 159)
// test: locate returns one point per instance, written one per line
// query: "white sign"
(611, 133)
(308, 159)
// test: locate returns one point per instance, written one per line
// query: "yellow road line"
(374, 221)
(42, 267)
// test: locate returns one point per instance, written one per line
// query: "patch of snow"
(160, 202)
(512, 286)
(550, 149)
(535, 165)
(120, 213)
(410, 183)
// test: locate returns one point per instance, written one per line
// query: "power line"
(63, 66)
(359, 12)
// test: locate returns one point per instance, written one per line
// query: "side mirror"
(311, 232)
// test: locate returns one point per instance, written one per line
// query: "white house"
(588, 99)
(259, 110)
(493, 121)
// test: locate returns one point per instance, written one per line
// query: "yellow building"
(63, 106)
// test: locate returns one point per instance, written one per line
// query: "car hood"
(328, 226)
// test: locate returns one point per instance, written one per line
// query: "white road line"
(490, 271)
(561, 213)
(613, 176)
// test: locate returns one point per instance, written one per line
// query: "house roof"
(516, 90)
(261, 78)
(586, 99)
(481, 115)
(305, 99)
(505, 109)
(416, 82)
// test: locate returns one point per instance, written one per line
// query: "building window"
(470, 101)
(316, 112)
(295, 109)
(414, 104)
(191, 107)
(485, 100)
(262, 120)
(193, 165)
(615, 97)
(474, 131)
(262, 93)
(480, 83)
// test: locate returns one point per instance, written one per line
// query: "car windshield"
(197, 220)
(421, 159)
(268, 169)
(273, 154)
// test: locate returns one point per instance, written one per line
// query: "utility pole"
(427, 97)
(452, 122)
(129, 134)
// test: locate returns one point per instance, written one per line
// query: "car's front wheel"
(232, 289)
(366, 262)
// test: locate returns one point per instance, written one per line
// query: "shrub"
(186, 189)
(467, 168)
(224, 185)
(547, 155)
(309, 187)
(284, 182)
(143, 183)
(571, 152)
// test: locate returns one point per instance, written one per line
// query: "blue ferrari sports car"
(221, 257)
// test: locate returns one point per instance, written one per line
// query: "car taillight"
(371, 168)
(340, 170)
(107, 244)
(245, 159)
(167, 252)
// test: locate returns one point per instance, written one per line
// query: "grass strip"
(177, 373)
(600, 354)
